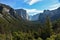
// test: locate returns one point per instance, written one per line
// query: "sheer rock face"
(22, 13)
(6, 10)
(54, 15)
(34, 17)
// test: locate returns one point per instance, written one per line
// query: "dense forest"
(13, 27)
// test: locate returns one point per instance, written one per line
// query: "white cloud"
(33, 11)
(31, 2)
(55, 6)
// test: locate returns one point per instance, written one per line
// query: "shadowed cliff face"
(18, 14)
(1, 8)
(54, 15)
(7, 10)
(22, 13)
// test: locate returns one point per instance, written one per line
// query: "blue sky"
(33, 6)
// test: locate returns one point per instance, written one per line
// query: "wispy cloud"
(33, 11)
(31, 2)
(54, 6)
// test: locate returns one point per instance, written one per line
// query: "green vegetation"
(13, 29)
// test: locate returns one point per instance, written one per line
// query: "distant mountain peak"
(53, 14)
(22, 13)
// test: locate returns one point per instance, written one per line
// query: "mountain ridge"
(50, 13)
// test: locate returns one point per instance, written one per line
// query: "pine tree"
(48, 25)
(47, 29)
